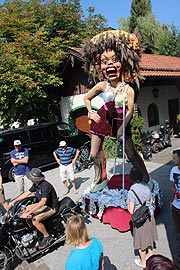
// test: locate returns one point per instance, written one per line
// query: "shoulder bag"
(140, 216)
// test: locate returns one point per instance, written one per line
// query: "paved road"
(117, 246)
(164, 156)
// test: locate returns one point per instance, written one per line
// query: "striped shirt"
(66, 156)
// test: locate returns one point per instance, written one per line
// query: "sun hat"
(17, 142)
(62, 143)
(35, 175)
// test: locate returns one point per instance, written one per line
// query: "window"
(46, 133)
(23, 137)
(153, 115)
(7, 140)
(35, 135)
(66, 130)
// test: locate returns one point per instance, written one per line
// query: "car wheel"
(11, 174)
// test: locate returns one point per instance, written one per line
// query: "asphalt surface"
(118, 247)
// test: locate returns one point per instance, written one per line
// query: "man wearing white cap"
(66, 158)
(20, 159)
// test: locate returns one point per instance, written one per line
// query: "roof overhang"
(151, 65)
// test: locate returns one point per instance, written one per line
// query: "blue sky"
(165, 11)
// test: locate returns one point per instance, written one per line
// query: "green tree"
(139, 8)
(124, 23)
(167, 42)
(34, 38)
(178, 43)
(94, 23)
(149, 29)
(163, 39)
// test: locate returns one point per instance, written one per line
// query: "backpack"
(140, 216)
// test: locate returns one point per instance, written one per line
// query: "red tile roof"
(159, 65)
(151, 64)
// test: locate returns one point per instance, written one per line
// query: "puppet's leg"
(104, 172)
(99, 168)
(99, 159)
(135, 159)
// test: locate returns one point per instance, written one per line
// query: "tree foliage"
(149, 29)
(139, 8)
(163, 39)
(167, 41)
(34, 38)
(94, 23)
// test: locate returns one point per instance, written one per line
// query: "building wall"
(146, 98)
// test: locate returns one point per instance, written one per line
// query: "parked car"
(41, 140)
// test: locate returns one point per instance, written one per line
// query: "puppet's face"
(110, 65)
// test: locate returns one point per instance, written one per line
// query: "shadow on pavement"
(164, 216)
(161, 173)
(108, 265)
(80, 181)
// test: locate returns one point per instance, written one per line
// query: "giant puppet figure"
(113, 57)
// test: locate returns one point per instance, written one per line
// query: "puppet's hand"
(119, 134)
(94, 116)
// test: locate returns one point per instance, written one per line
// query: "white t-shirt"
(175, 177)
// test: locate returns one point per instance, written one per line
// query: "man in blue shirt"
(20, 159)
(66, 157)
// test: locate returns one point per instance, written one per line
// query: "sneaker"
(47, 241)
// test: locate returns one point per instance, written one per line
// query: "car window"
(46, 133)
(35, 135)
(23, 137)
(66, 130)
(54, 130)
(6, 141)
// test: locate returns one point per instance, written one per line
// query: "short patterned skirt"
(111, 120)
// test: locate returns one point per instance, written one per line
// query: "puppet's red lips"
(111, 71)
